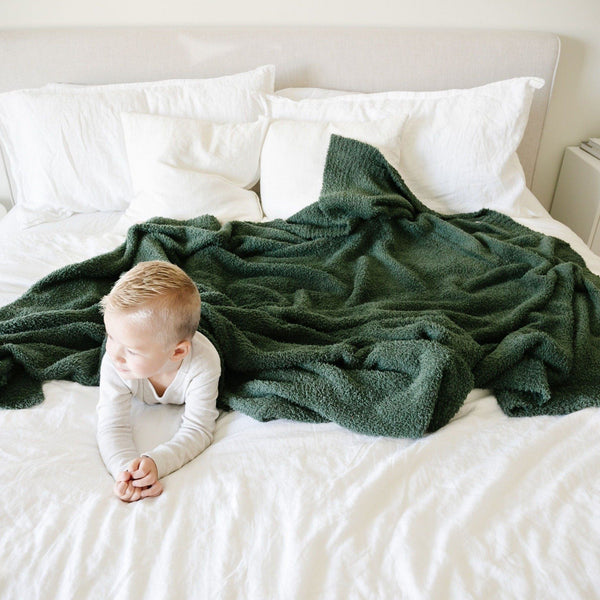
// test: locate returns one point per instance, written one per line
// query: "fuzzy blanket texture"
(366, 308)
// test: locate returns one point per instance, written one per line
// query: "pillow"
(294, 154)
(458, 150)
(63, 144)
(182, 168)
(304, 93)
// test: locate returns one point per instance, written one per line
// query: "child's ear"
(181, 350)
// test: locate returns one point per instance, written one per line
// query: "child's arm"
(195, 432)
(114, 434)
(198, 422)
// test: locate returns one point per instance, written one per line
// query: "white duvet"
(487, 507)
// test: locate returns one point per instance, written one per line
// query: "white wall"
(575, 109)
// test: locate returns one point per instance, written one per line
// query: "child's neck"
(162, 381)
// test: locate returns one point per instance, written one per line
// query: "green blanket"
(366, 308)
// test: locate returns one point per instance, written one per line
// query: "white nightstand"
(577, 197)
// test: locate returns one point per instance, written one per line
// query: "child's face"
(134, 348)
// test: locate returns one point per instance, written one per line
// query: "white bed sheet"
(487, 507)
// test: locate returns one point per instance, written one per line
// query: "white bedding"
(486, 507)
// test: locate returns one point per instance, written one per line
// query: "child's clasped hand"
(140, 480)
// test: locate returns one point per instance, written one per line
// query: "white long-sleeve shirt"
(195, 384)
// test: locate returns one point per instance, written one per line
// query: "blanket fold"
(365, 308)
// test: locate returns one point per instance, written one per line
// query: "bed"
(240, 124)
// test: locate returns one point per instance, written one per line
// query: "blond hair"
(161, 294)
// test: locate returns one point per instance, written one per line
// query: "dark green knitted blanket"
(366, 309)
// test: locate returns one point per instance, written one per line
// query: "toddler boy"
(155, 353)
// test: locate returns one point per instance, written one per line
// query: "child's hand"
(143, 471)
(124, 489)
(139, 481)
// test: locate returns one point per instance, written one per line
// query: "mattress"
(488, 506)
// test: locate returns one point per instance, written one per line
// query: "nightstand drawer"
(577, 197)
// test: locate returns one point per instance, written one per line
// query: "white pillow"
(458, 151)
(294, 154)
(305, 93)
(182, 168)
(63, 144)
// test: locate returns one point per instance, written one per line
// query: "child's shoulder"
(204, 352)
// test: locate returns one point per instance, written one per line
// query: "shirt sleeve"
(197, 426)
(114, 432)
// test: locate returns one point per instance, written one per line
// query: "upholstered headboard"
(354, 59)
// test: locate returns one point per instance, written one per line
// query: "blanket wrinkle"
(366, 308)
